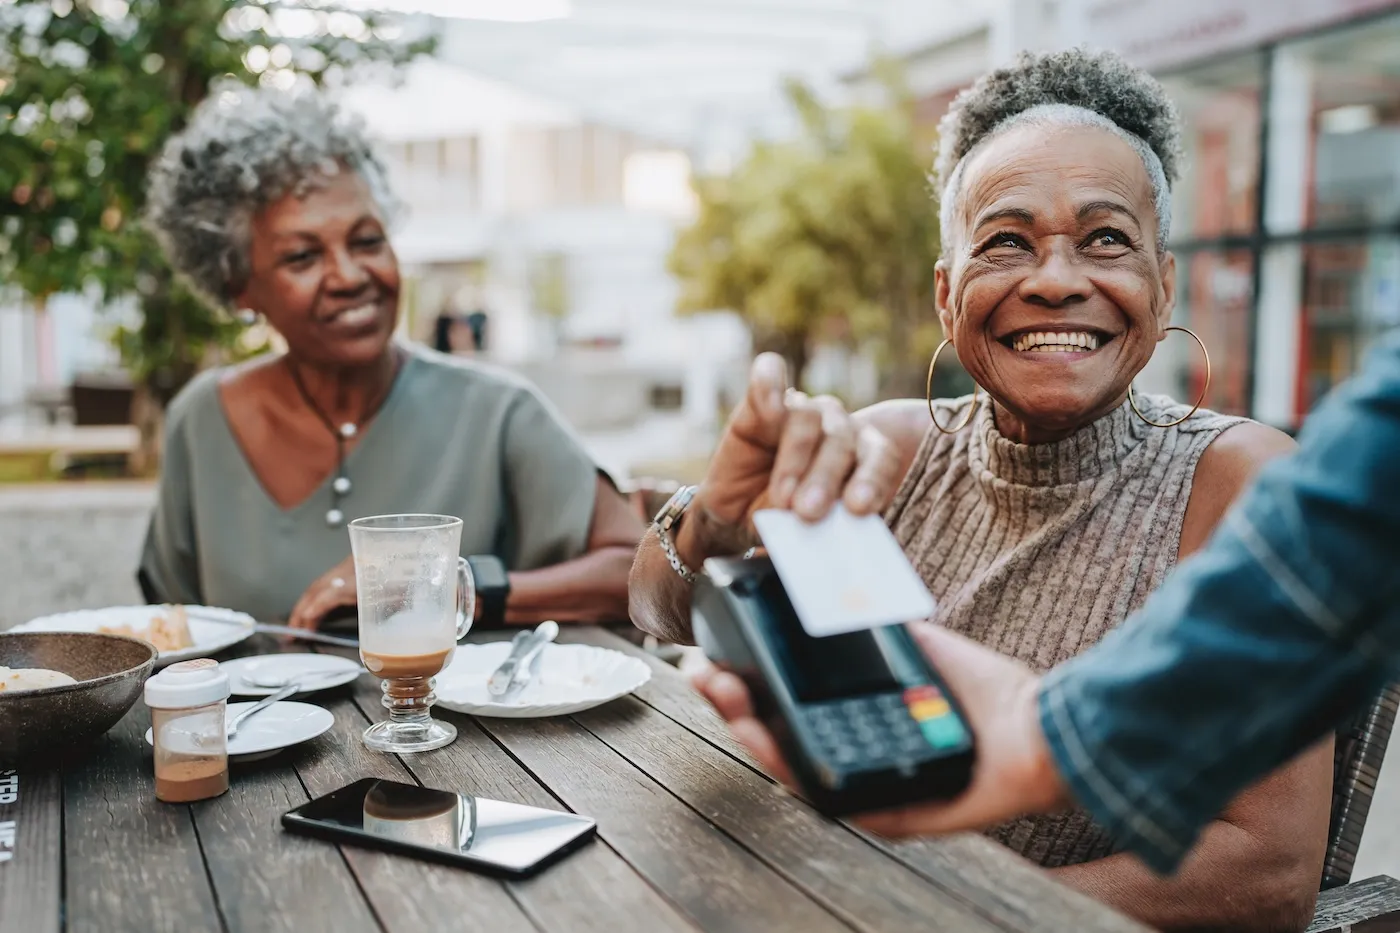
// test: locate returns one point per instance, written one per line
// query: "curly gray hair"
(243, 149)
(1069, 88)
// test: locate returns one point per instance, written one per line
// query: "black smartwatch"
(492, 588)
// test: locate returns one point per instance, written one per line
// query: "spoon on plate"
(274, 681)
(258, 707)
(286, 686)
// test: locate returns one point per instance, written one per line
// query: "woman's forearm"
(659, 598)
(591, 588)
(1228, 883)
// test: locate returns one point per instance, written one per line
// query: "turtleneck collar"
(1095, 449)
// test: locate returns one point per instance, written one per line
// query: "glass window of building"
(1351, 293)
(1220, 108)
(1214, 297)
(1350, 82)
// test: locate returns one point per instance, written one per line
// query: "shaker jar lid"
(188, 684)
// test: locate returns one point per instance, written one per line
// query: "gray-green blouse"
(453, 437)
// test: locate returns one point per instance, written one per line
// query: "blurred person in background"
(476, 325)
(443, 326)
(275, 203)
(1041, 514)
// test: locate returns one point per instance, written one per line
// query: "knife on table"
(266, 628)
(524, 647)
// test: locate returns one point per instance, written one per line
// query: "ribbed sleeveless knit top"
(1040, 550)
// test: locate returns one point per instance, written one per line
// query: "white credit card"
(843, 573)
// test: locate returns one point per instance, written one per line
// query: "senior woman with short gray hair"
(275, 204)
(1043, 509)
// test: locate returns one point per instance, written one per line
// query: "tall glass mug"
(416, 600)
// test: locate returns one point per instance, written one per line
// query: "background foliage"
(829, 237)
(89, 92)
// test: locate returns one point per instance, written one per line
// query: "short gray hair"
(1069, 88)
(243, 149)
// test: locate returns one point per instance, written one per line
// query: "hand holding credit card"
(843, 573)
(782, 449)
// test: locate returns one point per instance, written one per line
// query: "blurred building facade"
(553, 229)
(544, 160)
(544, 227)
(1287, 219)
(544, 167)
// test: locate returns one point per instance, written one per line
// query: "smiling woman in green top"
(276, 203)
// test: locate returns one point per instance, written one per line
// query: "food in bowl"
(15, 679)
(168, 632)
(53, 723)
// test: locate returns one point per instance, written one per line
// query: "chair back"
(1356, 767)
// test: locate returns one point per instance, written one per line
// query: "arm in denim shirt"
(1288, 620)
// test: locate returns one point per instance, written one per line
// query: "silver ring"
(338, 582)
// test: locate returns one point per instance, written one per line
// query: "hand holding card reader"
(862, 717)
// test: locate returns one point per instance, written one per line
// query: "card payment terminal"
(862, 717)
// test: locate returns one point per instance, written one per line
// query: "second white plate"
(572, 678)
(209, 636)
(315, 672)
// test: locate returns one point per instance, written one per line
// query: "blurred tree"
(89, 92)
(549, 290)
(829, 237)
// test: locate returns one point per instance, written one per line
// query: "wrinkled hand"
(784, 450)
(333, 589)
(1013, 776)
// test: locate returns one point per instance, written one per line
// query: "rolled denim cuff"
(1154, 833)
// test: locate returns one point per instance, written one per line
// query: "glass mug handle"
(466, 598)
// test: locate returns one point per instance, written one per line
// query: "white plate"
(281, 725)
(209, 637)
(572, 678)
(317, 671)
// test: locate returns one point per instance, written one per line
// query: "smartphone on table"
(491, 836)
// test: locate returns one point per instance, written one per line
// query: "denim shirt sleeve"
(1285, 622)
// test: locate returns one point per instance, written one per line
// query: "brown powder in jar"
(191, 779)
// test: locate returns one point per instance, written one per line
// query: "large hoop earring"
(1204, 389)
(928, 394)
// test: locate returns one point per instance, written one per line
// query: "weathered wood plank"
(31, 847)
(1369, 906)
(130, 861)
(850, 877)
(970, 868)
(408, 895)
(593, 889)
(713, 879)
(267, 879)
(668, 690)
(1019, 894)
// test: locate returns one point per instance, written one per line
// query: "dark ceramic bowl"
(110, 671)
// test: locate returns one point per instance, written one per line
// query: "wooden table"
(691, 837)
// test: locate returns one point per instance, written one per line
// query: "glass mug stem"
(408, 699)
(410, 726)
